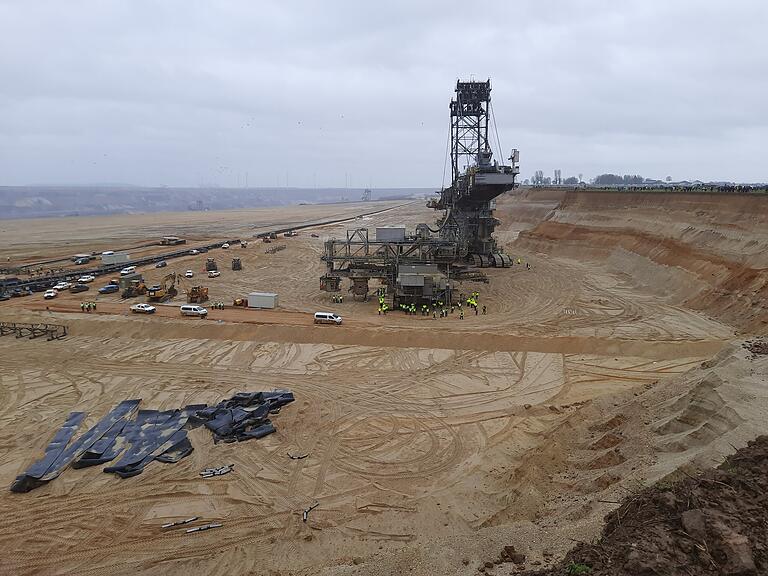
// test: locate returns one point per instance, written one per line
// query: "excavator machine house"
(163, 291)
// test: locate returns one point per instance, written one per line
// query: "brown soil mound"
(711, 524)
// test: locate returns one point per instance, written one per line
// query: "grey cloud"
(181, 93)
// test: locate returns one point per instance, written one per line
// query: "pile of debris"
(274, 249)
(714, 523)
(23, 329)
(757, 347)
(141, 436)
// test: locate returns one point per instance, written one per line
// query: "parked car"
(18, 292)
(81, 261)
(143, 309)
(161, 264)
(225, 245)
(127, 270)
(62, 286)
(315, 235)
(327, 318)
(193, 252)
(109, 289)
(79, 288)
(193, 310)
(86, 278)
(50, 294)
(108, 253)
(189, 274)
(214, 274)
(202, 250)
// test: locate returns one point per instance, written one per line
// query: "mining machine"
(468, 203)
(163, 291)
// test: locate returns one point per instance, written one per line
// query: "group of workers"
(337, 299)
(472, 303)
(217, 305)
(380, 293)
(437, 308)
(87, 306)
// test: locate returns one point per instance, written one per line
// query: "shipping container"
(262, 300)
(115, 258)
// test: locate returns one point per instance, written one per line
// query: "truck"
(197, 294)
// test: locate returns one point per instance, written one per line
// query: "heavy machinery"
(163, 291)
(210, 265)
(240, 302)
(135, 288)
(419, 267)
(243, 244)
(468, 203)
(197, 294)
(236, 264)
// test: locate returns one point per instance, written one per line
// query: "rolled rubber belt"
(58, 456)
(152, 435)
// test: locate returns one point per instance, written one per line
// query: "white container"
(115, 258)
(262, 300)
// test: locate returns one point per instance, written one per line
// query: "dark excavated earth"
(714, 523)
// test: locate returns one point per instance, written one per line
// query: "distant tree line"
(538, 179)
(616, 180)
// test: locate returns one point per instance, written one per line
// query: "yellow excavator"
(136, 288)
(163, 291)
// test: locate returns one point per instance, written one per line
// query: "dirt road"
(234, 323)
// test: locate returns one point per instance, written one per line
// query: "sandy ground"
(431, 442)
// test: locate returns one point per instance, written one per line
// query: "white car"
(127, 270)
(143, 309)
(50, 294)
(62, 286)
(193, 252)
(214, 274)
(225, 245)
(87, 278)
(193, 310)
(327, 318)
(188, 274)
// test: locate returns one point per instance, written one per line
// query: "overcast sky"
(334, 93)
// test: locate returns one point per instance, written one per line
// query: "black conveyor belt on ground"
(150, 435)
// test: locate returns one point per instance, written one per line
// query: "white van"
(128, 270)
(193, 310)
(327, 318)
